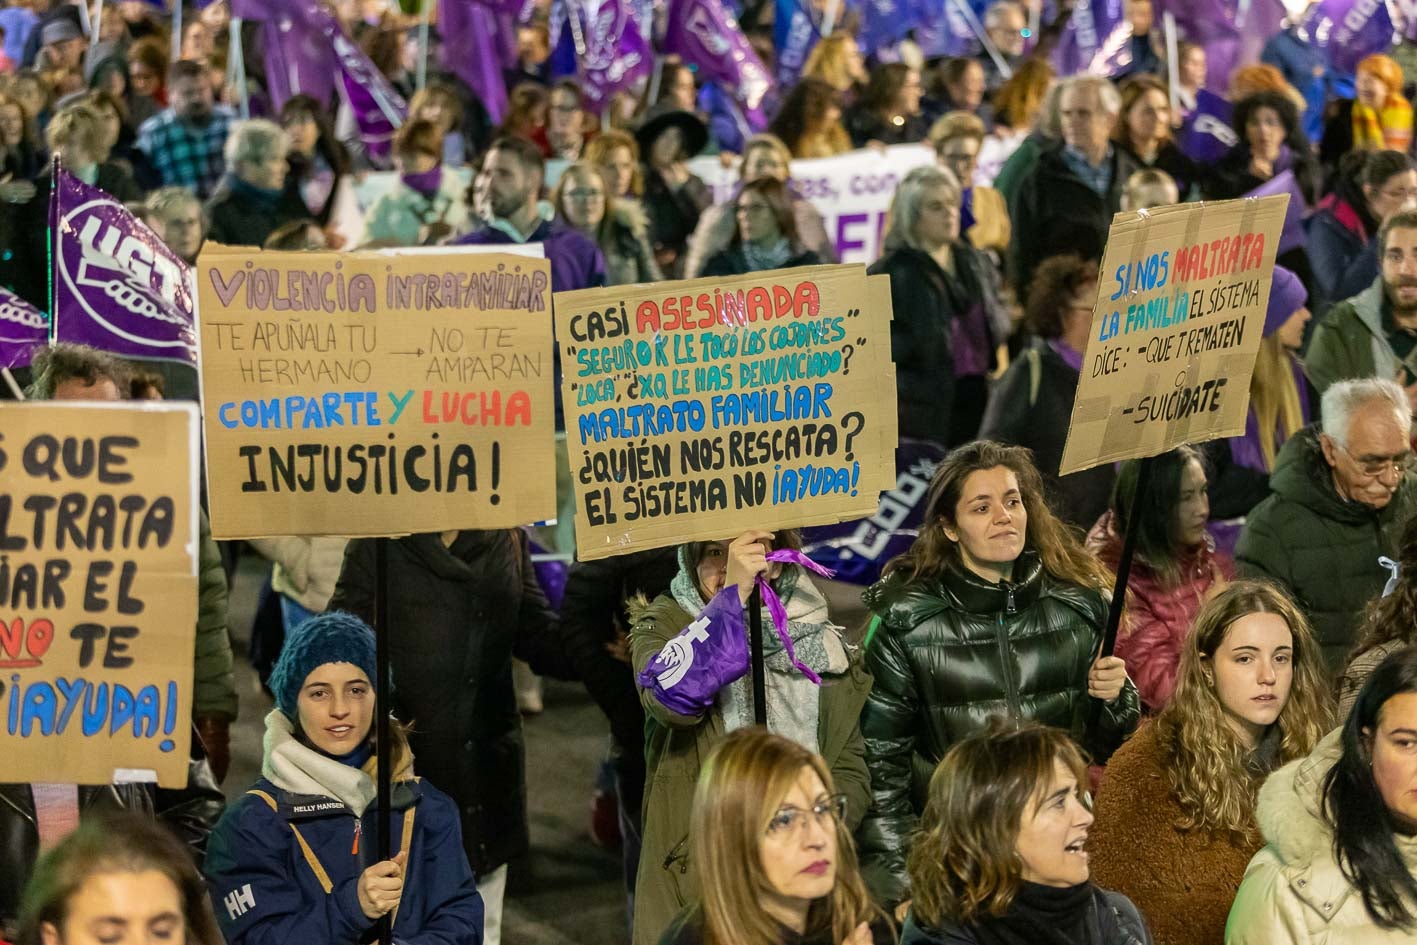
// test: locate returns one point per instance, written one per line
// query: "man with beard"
(184, 142)
(1374, 334)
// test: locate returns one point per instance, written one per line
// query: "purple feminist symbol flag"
(1350, 30)
(1096, 39)
(616, 54)
(117, 287)
(1206, 135)
(794, 34)
(705, 34)
(22, 328)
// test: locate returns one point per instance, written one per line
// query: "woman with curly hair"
(1001, 857)
(1389, 624)
(837, 60)
(995, 608)
(809, 122)
(1175, 813)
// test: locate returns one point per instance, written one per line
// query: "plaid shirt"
(186, 156)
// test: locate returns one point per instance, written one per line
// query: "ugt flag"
(117, 287)
(1351, 30)
(22, 328)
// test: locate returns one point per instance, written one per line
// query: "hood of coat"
(296, 768)
(1302, 475)
(1289, 809)
(630, 215)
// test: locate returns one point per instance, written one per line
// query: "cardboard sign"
(375, 393)
(98, 591)
(1176, 328)
(698, 410)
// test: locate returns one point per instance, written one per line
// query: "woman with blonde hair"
(585, 199)
(1017, 105)
(1176, 824)
(995, 608)
(958, 140)
(439, 103)
(837, 60)
(775, 857)
(619, 153)
(1001, 855)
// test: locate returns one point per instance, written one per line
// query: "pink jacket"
(1157, 617)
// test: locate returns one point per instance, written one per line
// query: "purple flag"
(1206, 135)
(1350, 30)
(1292, 236)
(1232, 31)
(943, 28)
(885, 23)
(117, 287)
(22, 328)
(616, 54)
(1096, 39)
(705, 34)
(470, 51)
(308, 52)
(794, 34)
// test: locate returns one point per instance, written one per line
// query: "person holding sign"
(1340, 495)
(995, 609)
(1175, 814)
(290, 860)
(690, 653)
(1340, 865)
(1001, 857)
(795, 880)
(1176, 566)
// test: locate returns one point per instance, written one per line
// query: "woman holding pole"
(690, 653)
(996, 609)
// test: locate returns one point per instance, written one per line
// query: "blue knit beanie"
(334, 637)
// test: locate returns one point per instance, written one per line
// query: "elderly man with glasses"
(1340, 494)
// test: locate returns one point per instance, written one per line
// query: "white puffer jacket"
(306, 569)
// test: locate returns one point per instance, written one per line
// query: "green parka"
(676, 747)
(1321, 548)
(951, 653)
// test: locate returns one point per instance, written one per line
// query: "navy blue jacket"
(266, 892)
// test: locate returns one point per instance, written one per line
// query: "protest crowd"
(955, 753)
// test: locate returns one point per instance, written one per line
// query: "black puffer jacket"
(947, 656)
(457, 616)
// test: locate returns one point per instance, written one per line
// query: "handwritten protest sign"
(98, 591)
(375, 393)
(1177, 325)
(696, 410)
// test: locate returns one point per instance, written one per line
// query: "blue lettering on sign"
(47, 708)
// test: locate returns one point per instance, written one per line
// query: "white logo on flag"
(678, 653)
(239, 901)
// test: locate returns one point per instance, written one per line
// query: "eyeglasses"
(586, 194)
(1374, 467)
(790, 821)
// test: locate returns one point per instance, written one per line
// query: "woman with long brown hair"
(1001, 855)
(1176, 811)
(775, 857)
(1144, 130)
(996, 608)
(809, 121)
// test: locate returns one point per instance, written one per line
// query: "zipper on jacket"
(358, 830)
(1010, 687)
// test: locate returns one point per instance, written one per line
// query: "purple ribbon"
(779, 612)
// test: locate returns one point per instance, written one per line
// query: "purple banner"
(22, 328)
(1206, 135)
(1350, 30)
(1292, 236)
(705, 34)
(858, 550)
(1096, 39)
(117, 286)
